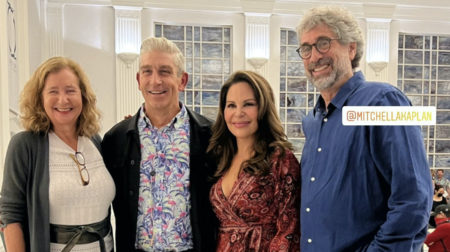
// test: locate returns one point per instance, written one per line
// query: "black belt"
(80, 234)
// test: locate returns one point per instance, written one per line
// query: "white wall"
(35, 36)
(88, 38)
(4, 101)
(88, 34)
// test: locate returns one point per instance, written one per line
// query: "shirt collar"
(344, 92)
(176, 122)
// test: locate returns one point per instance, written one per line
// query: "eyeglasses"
(322, 45)
(78, 158)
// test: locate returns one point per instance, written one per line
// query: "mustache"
(320, 62)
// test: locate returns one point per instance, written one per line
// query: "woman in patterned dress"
(257, 194)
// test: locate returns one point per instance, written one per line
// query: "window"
(297, 94)
(424, 76)
(207, 50)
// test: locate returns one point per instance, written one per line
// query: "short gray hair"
(163, 45)
(340, 21)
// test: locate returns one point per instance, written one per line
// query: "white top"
(71, 203)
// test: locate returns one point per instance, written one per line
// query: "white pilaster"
(128, 40)
(23, 57)
(54, 31)
(257, 42)
(377, 48)
(4, 101)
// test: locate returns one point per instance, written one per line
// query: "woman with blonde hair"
(257, 195)
(56, 192)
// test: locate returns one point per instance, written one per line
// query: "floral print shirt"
(164, 199)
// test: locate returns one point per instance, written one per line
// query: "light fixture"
(257, 62)
(377, 66)
(257, 39)
(128, 57)
(378, 44)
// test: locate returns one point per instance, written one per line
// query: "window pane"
(173, 32)
(212, 34)
(426, 82)
(212, 50)
(413, 57)
(207, 50)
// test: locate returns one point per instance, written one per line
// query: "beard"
(324, 82)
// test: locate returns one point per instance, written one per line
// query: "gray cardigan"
(24, 195)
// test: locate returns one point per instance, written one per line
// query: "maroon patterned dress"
(261, 213)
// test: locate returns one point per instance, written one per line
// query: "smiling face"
(61, 98)
(241, 111)
(332, 67)
(159, 82)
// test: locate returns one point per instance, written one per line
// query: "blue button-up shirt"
(364, 188)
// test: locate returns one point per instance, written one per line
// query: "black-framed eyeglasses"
(78, 158)
(322, 45)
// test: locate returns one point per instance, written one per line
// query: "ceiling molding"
(258, 6)
(419, 10)
(382, 11)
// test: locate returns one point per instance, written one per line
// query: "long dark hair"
(269, 136)
(437, 188)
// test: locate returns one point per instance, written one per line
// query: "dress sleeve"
(13, 207)
(287, 195)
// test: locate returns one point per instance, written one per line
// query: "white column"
(54, 45)
(257, 42)
(377, 48)
(23, 57)
(13, 52)
(4, 101)
(128, 40)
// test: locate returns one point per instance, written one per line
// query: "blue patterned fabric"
(164, 199)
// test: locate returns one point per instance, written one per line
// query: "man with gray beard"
(364, 188)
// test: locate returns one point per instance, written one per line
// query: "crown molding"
(418, 10)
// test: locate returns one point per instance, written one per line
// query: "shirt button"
(319, 149)
(152, 173)
(130, 192)
(309, 240)
(313, 179)
(308, 210)
(325, 119)
(132, 162)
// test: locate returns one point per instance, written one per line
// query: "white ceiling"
(427, 10)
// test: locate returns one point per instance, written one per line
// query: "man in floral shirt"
(158, 162)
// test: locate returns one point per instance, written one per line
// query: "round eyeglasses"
(78, 158)
(322, 45)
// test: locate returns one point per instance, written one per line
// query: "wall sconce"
(378, 44)
(128, 57)
(257, 62)
(257, 40)
(377, 66)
